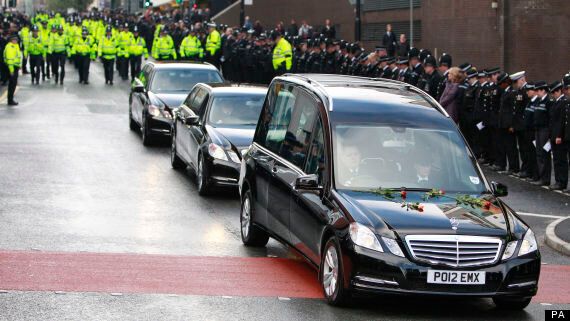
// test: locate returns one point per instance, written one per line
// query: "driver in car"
(350, 158)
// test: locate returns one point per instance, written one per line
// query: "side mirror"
(191, 120)
(138, 88)
(499, 189)
(308, 183)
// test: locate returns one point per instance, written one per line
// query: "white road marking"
(541, 215)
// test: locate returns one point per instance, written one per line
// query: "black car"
(211, 130)
(372, 182)
(161, 87)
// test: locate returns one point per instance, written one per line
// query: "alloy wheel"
(330, 271)
(245, 217)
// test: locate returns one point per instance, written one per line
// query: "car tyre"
(251, 235)
(132, 123)
(175, 161)
(147, 138)
(511, 303)
(331, 275)
(202, 177)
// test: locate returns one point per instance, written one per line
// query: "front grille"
(454, 250)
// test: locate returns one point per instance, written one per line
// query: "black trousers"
(213, 59)
(108, 65)
(560, 160)
(36, 64)
(123, 67)
(543, 158)
(136, 62)
(506, 150)
(58, 66)
(46, 72)
(4, 73)
(12, 83)
(83, 63)
(527, 152)
(24, 64)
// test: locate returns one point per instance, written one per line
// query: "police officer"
(13, 60)
(59, 49)
(85, 50)
(163, 46)
(330, 58)
(416, 69)
(107, 52)
(282, 54)
(445, 62)
(45, 35)
(493, 103)
(404, 70)
(213, 45)
(137, 49)
(24, 37)
(565, 139)
(507, 142)
(36, 51)
(124, 39)
(524, 142)
(542, 134)
(467, 112)
(530, 132)
(556, 125)
(431, 78)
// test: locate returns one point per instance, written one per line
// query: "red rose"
(442, 192)
(486, 205)
(403, 194)
(420, 208)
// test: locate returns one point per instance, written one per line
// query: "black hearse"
(372, 182)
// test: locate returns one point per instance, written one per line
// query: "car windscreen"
(377, 156)
(242, 110)
(182, 80)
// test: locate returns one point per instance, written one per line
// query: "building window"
(375, 31)
(377, 5)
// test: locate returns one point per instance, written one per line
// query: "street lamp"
(357, 18)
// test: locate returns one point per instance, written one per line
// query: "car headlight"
(510, 250)
(528, 243)
(363, 236)
(234, 157)
(154, 110)
(217, 152)
(393, 246)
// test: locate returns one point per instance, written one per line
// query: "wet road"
(93, 225)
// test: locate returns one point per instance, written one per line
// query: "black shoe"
(13, 103)
(111, 83)
(86, 82)
(557, 187)
(539, 183)
(505, 172)
(523, 175)
(497, 168)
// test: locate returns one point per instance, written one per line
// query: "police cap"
(465, 66)
(566, 80)
(402, 61)
(413, 53)
(424, 53)
(445, 60)
(471, 72)
(557, 85)
(541, 84)
(502, 77)
(430, 61)
(492, 71)
(518, 75)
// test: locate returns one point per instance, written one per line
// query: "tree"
(79, 5)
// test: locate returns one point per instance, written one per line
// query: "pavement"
(562, 230)
(95, 226)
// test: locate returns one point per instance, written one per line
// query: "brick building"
(512, 34)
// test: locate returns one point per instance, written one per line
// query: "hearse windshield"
(371, 156)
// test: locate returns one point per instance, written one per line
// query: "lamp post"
(411, 23)
(242, 13)
(357, 22)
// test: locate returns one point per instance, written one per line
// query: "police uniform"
(559, 147)
(13, 60)
(507, 150)
(430, 82)
(494, 93)
(542, 135)
(59, 48)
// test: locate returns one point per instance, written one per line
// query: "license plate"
(455, 277)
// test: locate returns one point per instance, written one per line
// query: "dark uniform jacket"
(556, 118)
(493, 104)
(541, 112)
(520, 103)
(507, 109)
(430, 83)
(467, 108)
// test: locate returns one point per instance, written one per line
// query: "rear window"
(182, 80)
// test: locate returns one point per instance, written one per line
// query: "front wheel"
(202, 177)
(147, 139)
(331, 274)
(251, 235)
(175, 161)
(511, 303)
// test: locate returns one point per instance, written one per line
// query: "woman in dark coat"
(451, 98)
